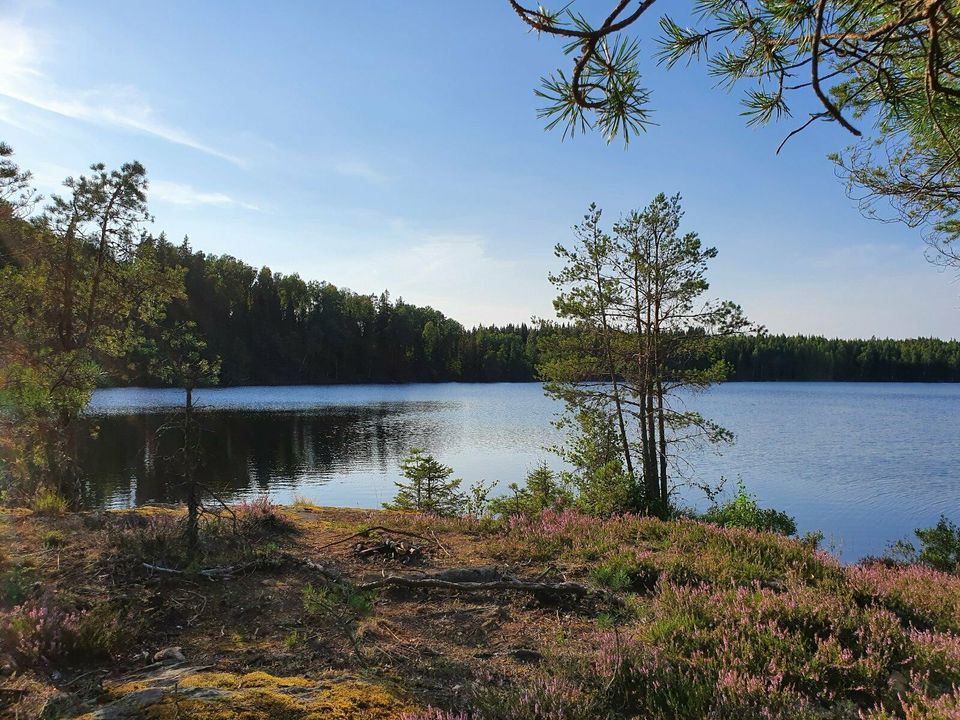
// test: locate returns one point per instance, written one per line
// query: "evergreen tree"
(641, 332)
(428, 488)
(83, 285)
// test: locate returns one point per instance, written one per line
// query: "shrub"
(48, 502)
(54, 539)
(103, 631)
(429, 488)
(542, 489)
(919, 703)
(477, 500)
(15, 585)
(324, 600)
(921, 596)
(626, 572)
(939, 547)
(155, 539)
(742, 511)
(539, 698)
(40, 630)
(261, 516)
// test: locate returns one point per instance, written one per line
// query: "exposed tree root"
(540, 589)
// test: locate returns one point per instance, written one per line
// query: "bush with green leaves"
(327, 599)
(939, 547)
(15, 584)
(743, 511)
(593, 451)
(429, 487)
(476, 501)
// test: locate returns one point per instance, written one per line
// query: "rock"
(169, 656)
(131, 705)
(60, 705)
(898, 683)
(526, 655)
(8, 665)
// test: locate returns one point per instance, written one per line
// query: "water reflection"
(864, 462)
(128, 459)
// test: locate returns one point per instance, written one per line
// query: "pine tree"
(428, 488)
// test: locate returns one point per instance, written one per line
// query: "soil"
(252, 644)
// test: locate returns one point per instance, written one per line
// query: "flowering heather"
(801, 640)
(433, 714)
(730, 623)
(918, 703)
(686, 550)
(919, 595)
(937, 654)
(40, 630)
(539, 698)
(260, 506)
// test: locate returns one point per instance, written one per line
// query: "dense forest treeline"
(799, 357)
(269, 328)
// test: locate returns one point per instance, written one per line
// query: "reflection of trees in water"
(246, 452)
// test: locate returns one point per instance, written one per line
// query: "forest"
(271, 329)
(274, 329)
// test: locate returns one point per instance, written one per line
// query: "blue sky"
(388, 145)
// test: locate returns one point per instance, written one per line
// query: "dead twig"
(439, 544)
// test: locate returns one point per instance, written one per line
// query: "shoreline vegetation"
(309, 612)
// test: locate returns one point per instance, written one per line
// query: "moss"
(230, 681)
(261, 696)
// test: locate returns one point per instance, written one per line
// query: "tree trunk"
(193, 502)
(664, 491)
(611, 365)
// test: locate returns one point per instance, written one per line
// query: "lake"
(866, 463)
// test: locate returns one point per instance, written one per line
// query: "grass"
(49, 502)
(319, 601)
(54, 539)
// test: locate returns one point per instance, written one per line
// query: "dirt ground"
(278, 618)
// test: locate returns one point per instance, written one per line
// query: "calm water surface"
(865, 463)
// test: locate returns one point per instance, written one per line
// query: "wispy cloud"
(457, 273)
(360, 169)
(23, 54)
(8, 116)
(184, 194)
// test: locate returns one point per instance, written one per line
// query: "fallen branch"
(439, 544)
(214, 573)
(331, 574)
(537, 588)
